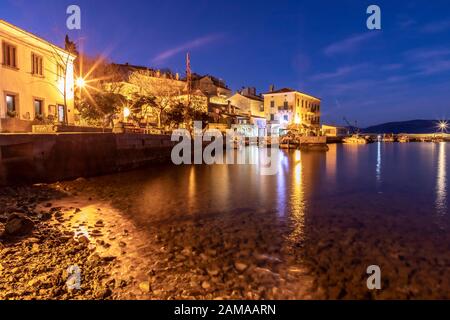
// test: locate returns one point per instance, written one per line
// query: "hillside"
(413, 126)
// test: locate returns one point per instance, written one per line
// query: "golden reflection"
(297, 200)
(441, 186)
(351, 152)
(191, 189)
(331, 161)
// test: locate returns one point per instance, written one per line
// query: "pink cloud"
(349, 44)
(199, 42)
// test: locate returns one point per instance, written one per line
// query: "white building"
(36, 80)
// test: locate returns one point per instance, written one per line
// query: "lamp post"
(443, 125)
(81, 83)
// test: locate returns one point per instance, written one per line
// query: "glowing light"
(126, 112)
(443, 125)
(80, 82)
(441, 186)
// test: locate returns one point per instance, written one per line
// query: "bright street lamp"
(126, 112)
(80, 82)
(443, 125)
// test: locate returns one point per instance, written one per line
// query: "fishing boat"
(355, 139)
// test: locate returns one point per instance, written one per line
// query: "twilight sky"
(320, 47)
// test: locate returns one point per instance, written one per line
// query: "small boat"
(403, 139)
(355, 139)
(289, 142)
(388, 138)
(437, 139)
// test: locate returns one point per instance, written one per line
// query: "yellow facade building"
(36, 80)
(291, 109)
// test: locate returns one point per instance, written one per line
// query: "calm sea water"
(397, 178)
(337, 212)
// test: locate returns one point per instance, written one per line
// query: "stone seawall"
(33, 158)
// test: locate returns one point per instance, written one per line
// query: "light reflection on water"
(413, 175)
(297, 199)
(441, 181)
(378, 169)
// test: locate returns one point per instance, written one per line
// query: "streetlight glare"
(126, 112)
(80, 82)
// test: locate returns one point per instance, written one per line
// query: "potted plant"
(11, 113)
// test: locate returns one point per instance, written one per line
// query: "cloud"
(392, 66)
(434, 67)
(427, 53)
(437, 26)
(406, 22)
(349, 44)
(429, 61)
(340, 72)
(199, 42)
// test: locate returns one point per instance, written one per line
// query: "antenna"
(188, 76)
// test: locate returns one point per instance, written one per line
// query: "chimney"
(272, 88)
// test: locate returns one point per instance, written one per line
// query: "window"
(272, 117)
(10, 103)
(286, 106)
(36, 65)
(272, 104)
(60, 71)
(286, 118)
(9, 55)
(38, 107)
(261, 108)
(61, 117)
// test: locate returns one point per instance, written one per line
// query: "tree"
(142, 107)
(101, 99)
(165, 90)
(184, 114)
(101, 107)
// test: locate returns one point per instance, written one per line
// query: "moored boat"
(388, 138)
(289, 142)
(355, 139)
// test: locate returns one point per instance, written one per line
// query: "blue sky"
(321, 47)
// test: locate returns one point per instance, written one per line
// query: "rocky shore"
(48, 230)
(37, 249)
(124, 248)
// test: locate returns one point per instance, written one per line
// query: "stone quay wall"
(42, 158)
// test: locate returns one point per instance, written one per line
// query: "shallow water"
(332, 213)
